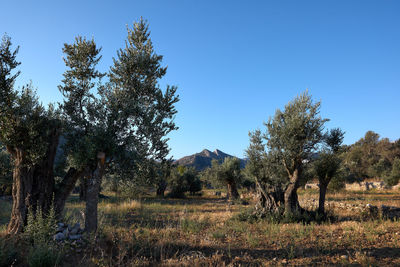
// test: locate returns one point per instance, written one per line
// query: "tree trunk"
(322, 194)
(33, 185)
(65, 188)
(21, 193)
(232, 192)
(162, 185)
(269, 201)
(92, 194)
(292, 205)
(83, 187)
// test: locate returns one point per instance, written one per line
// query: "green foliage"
(263, 167)
(394, 176)
(24, 123)
(39, 232)
(148, 111)
(295, 133)
(40, 228)
(183, 179)
(127, 117)
(381, 168)
(279, 159)
(226, 172)
(5, 172)
(81, 110)
(371, 156)
(327, 165)
(8, 253)
(43, 256)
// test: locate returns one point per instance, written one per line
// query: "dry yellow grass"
(203, 231)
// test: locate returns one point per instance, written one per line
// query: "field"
(206, 230)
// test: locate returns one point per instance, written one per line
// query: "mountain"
(203, 159)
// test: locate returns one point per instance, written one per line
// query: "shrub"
(43, 256)
(40, 228)
(182, 180)
(394, 176)
(8, 254)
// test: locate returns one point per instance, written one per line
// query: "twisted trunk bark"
(269, 201)
(292, 205)
(21, 193)
(232, 192)
(34, 185)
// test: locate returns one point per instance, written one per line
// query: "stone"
(74, 237)
(59, 229)
(75, 230)
(59, 237)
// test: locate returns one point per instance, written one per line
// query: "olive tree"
(327, 165)
(227, 173)
(292, 137)
(129, 120)
(30, 134)
(124, 121)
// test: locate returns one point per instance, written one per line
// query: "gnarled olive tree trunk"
(269, 201)
(34, 185)
(21, 192)
(92, 194)
(292, 205)
(232, 192)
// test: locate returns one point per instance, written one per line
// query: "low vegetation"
(206, 230)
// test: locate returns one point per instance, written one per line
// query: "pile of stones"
(68, 232)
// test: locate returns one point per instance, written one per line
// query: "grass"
(207, 231)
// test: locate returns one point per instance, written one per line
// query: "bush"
(8, 254)
(394, 176)
(40, 228)
(43, 256)
(182, 180)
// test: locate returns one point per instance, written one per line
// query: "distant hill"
(203, 159)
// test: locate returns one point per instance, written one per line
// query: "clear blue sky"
(235, 62)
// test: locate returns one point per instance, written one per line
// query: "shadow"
(246, 255)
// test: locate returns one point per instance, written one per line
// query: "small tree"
(327, 165)
(268, 174)
(183, 179)
(394, 176)
(293, 135)
(228, 173)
